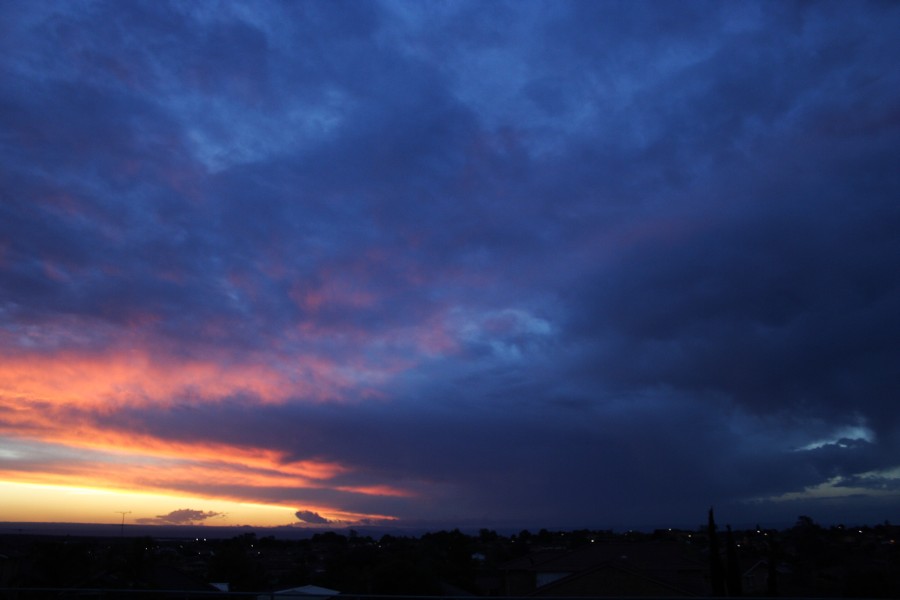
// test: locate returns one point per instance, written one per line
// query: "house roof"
(671, 564)
(614, 578)
(530, 561)
(308, 590)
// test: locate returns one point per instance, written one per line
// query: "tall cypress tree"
(716, 572)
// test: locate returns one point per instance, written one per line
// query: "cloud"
(182, 516)
(311, 517)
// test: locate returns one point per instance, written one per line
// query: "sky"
(449, 264)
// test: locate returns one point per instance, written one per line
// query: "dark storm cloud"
(508, 462)
(766, 311)
(586, 255)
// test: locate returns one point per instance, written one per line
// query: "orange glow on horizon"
(152, 464)
(125, 444)
(68, 418)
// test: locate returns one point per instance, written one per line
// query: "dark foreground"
(803, 561)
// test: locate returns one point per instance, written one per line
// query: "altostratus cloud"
(311, 517)
(182, 516)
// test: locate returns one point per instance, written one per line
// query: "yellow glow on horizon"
(33, 502)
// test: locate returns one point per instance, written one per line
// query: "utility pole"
(123, 513)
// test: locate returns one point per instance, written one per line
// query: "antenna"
(123, 513)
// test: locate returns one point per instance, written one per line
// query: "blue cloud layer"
(589, 255)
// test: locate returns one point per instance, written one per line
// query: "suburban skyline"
(450, 264)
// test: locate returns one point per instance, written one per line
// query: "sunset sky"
(449, 264)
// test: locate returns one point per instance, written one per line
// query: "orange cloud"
(377, 490)
(127, 444)
(141, 472)
(135, 378)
